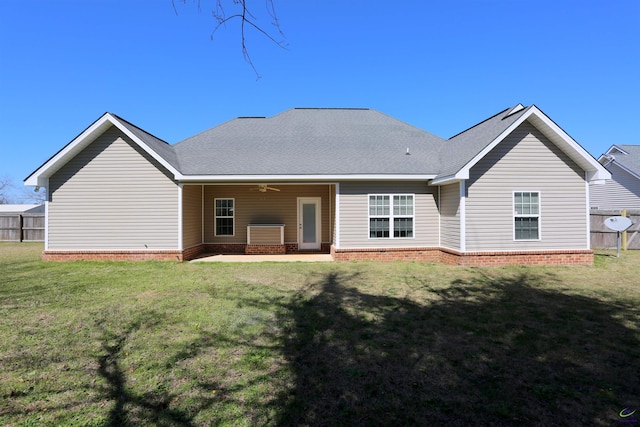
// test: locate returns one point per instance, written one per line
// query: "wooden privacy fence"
(29, 227)
(604, 238)
(22, 227)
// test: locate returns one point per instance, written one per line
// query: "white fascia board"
(46, 219)
(624, 168)
(617, 148)
(605, 160)
(299, 178)
(38, 178)
(144, 146)
(449, 179)
(587, 214)
(595, 170)
(607, 157)
(336, 217)
(463, 216)
(585, 160)
(464, 172)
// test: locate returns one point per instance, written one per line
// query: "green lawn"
(161, 343)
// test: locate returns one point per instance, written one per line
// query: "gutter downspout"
(463, 216)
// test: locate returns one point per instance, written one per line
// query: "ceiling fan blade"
(263, 188)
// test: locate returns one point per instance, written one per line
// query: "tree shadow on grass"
(152, 407)
(161, 405)
(499, 350)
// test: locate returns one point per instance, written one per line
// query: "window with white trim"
(224, 217)
(526, 215)
(391, 216)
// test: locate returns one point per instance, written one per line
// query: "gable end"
(595, 171)
(40, 176)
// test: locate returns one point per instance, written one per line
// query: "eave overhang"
(449, 179)
(616, 163)
(41, 175)
(203, 179)
(594, 170)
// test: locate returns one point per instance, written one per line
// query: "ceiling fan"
(263, 188)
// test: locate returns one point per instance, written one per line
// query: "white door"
(309, 223)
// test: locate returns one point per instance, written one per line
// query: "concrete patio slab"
(266, 258)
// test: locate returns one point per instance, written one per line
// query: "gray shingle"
(310, 142)
(325, 141)
(162, 148)
(630, 161)
(460, 149)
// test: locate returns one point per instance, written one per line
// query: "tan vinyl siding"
(265, 235)
(526, 161)
(112, 195)
(354, 214)
(598, 194)
(622, 191)
(191, 215)
(332, 212)
(272, 207)
(450, 216)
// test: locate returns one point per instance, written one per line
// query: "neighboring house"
(623, 190)
(351, 182)
(30, 208)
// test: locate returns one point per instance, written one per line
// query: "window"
(526, 215)
(391, 216)
(224, 217)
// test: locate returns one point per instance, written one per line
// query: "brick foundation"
(402, 254)
(193, 252)
(445, 256)
(497, 259)
(239, 248)
(265, 249)
(112, 256)
(292, 248)
(227, 249)
(470, 259)
(146, 255)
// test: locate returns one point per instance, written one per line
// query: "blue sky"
(441, 66)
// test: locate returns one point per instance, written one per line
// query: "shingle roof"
(162, 148)
(325, 142)
(310, 142)
(23, 208)
(631, 160)
(460, 149)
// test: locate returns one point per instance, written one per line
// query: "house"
(19, 209)
(623, 190)
(355, 183)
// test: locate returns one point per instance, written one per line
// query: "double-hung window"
(224, 217)
(526, 217)
(391, 216)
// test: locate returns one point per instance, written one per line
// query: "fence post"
(624, 233)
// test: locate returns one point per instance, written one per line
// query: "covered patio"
(265, 258)
(257, 218)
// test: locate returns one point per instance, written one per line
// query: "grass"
(160, 343)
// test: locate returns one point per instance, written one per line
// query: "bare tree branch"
(247, 20)
(31, 195)
(5, 188)
(10, 192)
(276, 22)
